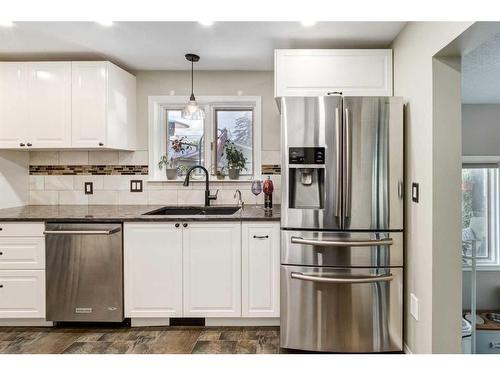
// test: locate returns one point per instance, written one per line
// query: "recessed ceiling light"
(6, 23)
(206, 23)
(308, 23)
(105, 23)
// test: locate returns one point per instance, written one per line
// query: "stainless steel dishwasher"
(84, 274)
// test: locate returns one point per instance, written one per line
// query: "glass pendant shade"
(192, 110)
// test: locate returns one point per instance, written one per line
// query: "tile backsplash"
(59, 178)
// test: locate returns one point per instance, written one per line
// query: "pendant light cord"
(192, 75)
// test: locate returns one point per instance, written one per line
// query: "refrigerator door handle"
(341, 243)
(347, 163)
(338, 198)
(400, 189)
(340, 280)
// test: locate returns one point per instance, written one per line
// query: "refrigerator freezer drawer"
(357, 310)
(342, 249)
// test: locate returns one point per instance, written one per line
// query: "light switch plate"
(136, 186)
(414, 192)
(414, 306)
(88, 188)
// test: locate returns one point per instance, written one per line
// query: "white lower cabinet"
(22, 294)
(201, 269)
(212, 269)
(153, 270)
(260, 269)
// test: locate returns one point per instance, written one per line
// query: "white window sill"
(202, 180)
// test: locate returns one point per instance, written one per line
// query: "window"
(178, 143)
(480, 212)
(184, 143)
(234, 125)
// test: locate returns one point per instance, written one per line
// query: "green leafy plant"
(234, 156)
(165, 161)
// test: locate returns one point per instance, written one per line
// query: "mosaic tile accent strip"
(53, 170)
(271, 169)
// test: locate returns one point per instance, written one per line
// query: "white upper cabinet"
(13, 92)
(318, 72)
(63, 104)
(49, 105)
(103, 103)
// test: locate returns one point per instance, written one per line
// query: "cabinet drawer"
(22, 253)
(32, 229)
(22, 294)
(488, 342)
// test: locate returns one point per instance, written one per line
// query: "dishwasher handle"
(83, 232)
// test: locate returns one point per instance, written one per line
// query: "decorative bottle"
(268, 194)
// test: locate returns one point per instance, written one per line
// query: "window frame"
(157, 117)
(492, 261)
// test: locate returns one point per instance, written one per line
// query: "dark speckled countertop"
(120, 213)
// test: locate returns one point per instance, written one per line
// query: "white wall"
(414, 49)
(13, 178)
(481, 129)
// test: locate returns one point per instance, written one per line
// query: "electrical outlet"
(89, 188)
(414, 306)
(136, 186)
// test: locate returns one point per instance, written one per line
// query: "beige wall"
(414, 49)
(210, 83)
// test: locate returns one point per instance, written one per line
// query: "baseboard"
(407, 350)
(149, 322)
(213, 322)
(28, 322)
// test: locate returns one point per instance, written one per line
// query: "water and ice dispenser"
(306, 171)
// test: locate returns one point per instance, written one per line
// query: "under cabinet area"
(318, 72)
(201, 269)
(22, 270)
(65, 105)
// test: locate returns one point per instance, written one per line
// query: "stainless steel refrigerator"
(342, 224)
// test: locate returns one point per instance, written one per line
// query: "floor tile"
(87, 348)
(214, 347)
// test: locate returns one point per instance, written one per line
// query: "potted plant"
(236, 161)
(170, 167)
(220, 174)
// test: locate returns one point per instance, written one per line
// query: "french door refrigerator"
(342, 224)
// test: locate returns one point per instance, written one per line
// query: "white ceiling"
(162, 45)
(481, 73)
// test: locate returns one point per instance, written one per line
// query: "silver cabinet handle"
(495, 345)
(342, 243)
(340, 280)
(90, 232)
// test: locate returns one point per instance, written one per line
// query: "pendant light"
(192, 111)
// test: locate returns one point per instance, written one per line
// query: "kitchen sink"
(194, 211)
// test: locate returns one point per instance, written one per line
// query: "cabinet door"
(152, 270)
(22, 294)
(88, 103)
(260, 266)
(316, 72)
(22, 253)
(13, 95)
(212, 269)
(49, 105)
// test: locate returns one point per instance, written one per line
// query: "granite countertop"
(121, 213)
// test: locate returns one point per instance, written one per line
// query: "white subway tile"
(38, 197)
(73, 158)
(133, 158)
(166, 197)
(59, 182)
(37, 182)
(126, 197)
(97, 181)
(122, 182)
(44, 157)
(73, 197)
(103, 197)
(190, 197)
(103, 157)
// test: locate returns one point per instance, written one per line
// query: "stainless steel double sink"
(194, 211)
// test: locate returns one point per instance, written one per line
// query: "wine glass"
(257, 187)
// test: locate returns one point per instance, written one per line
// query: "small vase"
(172, 173)
(234, 174)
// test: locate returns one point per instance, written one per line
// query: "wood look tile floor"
(139, 340)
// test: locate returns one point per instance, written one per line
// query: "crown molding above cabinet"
(66, 105)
